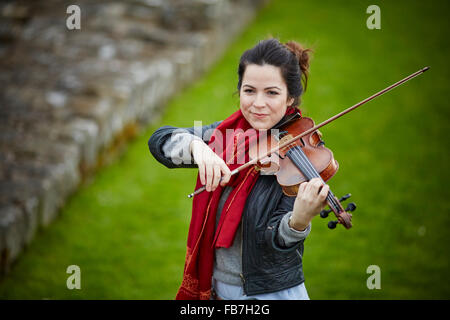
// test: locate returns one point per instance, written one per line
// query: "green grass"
(127, 229)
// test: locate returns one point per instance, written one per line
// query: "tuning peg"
(324, 213)
(343, 198)
(332, 224)
(351, 207)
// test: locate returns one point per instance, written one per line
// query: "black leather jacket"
(266, 265)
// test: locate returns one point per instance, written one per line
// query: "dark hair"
(290, 57)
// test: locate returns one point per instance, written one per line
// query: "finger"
(324, 192)
(316, 184)
(209, 176)
(201, 173)
(308, 187)
(216, 177)
(301, 189)
(199, 157)
(226, 174)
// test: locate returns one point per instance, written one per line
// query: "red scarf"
(202, 237)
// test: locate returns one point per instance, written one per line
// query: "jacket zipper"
(299, 255)
(242, 256)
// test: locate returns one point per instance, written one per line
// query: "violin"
(302, 160)
(303, 156)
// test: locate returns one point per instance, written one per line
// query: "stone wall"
(70, 98)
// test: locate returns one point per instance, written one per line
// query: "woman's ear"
(290, 102)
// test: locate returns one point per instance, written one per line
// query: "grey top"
(228, 261)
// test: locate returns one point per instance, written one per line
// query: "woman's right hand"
(210, 166)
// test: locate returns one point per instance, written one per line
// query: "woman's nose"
(259, 101)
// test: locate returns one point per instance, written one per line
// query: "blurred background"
(82, 90)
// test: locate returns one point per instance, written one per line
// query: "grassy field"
(127, 229)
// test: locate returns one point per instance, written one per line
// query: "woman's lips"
(259, 115)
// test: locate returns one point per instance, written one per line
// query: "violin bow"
(304, 133)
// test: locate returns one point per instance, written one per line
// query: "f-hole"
(303, 142)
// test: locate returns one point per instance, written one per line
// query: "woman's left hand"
(310, 200)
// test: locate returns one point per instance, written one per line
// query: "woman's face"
(263, 96)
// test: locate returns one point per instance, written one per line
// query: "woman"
(246, 237)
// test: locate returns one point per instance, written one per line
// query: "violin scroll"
(343, 215)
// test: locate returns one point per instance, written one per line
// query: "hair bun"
(303, 57)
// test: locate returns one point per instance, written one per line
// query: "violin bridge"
(285, 138)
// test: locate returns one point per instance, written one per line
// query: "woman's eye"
(248, 90)
(273, 92)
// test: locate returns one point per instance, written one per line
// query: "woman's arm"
(288, 236)
(291, 222)
(170, 145)
(279, 234)
(188, 148)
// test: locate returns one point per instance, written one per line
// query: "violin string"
(330, 196)
(299, 155)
